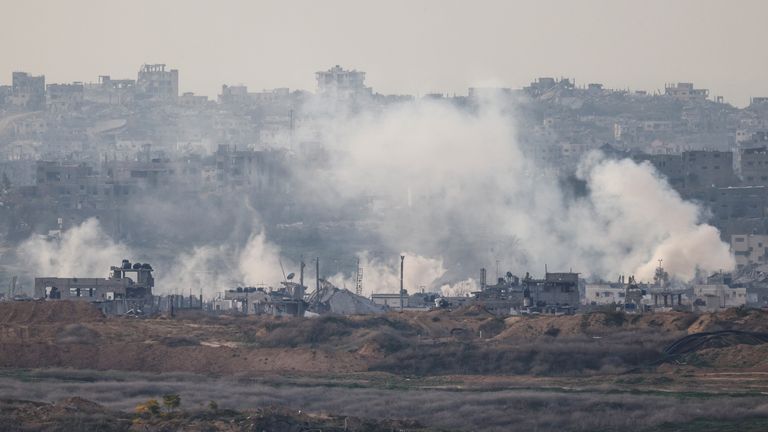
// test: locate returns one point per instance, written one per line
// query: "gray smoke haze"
(82, 250)
(455, 186)
(450, 187)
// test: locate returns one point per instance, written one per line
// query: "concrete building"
(390, 300)
(754, 166)
(154, 82)
(711, 298)
(735, 203)
(556, 293)
(342, 84)
(705, 168)
(191, 100)
(670, 165)
(749, 249)
(110, 91)
(604, 293)
(237, 94)
(685, 92)
(28, 91)
(119, 286)
(65, 97)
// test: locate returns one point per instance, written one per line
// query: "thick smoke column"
(211, 269)
(82, 251)
(456, 186)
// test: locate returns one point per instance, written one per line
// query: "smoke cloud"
(82, 251)
(454, 185)
(450, 185)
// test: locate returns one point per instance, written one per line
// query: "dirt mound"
(67, 414)
(755, 320)
(737, 357)
(593, 324)
(77, 334)
(82, 415)
(42, 312)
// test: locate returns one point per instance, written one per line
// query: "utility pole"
(301, 273)
(359, 279)
(402, 261)
(317, 282)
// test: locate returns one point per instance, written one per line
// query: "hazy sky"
(405, 46)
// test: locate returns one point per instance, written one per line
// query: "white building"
(598, 294)
(712, 298)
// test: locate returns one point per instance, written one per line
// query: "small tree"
(213, 406)
(171, 401)
(149, 408)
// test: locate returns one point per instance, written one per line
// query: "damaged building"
(555, 293)
(129, 286)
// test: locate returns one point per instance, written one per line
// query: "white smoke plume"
(383, 275)
(456, 186)
(81, 251)
(212, 269)
(87, 251)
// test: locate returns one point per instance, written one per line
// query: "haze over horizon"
(405, 47)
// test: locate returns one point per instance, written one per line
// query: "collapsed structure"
(556, 293)
(117, 293)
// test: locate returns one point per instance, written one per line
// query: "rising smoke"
(455, 185)
(82, 251)
(450, 185)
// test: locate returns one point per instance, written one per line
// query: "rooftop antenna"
(317, 282)
(301, 271)
(282, 269)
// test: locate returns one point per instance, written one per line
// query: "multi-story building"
(156, 83)
(342, 84)
(28, 91)
(110, 91)
(749, 249)
(685, 92)
(65, 97)
(704, 169)
(754, 166)
(603, 293)
(118, 286)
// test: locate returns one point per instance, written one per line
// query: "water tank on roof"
(126, 264)
(137, 266)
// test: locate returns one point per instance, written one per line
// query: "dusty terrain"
(74, 414)
(463, 370)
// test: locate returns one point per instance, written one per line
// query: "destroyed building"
(286, 301)
(555, 293)
(329, 299)
(156, 83)
(128, 286)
